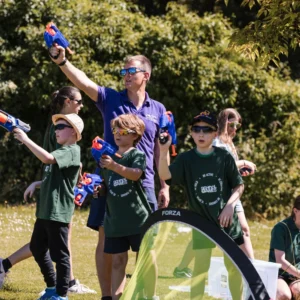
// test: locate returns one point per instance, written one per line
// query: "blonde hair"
(145, 62)
(223, 117)
(132, 122)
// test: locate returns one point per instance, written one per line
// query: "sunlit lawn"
(25, 280)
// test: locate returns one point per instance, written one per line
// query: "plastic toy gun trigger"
(52, 35)
(85, 187)
(167, 126)
(9, 122)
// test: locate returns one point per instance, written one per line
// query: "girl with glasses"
(229, 121)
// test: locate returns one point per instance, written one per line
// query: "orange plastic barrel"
(3, 118)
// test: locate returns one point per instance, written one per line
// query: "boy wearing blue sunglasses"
(213, 185)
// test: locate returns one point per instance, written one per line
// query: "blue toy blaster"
(167, 126)
(100, 148)
(86, 186)
(53, 36)
(9, 122)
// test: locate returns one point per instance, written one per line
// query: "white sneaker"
(79, 288)
(2, 273)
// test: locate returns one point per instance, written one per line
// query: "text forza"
(171, 213)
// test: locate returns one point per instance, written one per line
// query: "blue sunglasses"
(131, 71)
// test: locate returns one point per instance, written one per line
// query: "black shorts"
(97, 212)
(115, 245)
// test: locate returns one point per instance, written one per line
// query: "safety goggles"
(61, 126)
(235, 125)
(204, 129)
(121, 131)
(131, 71)
(79, 102)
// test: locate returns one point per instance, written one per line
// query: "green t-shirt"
(56, 201)
(127, 207)
(286, 237)
(208, 181)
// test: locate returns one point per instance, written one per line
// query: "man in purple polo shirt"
(134, 99)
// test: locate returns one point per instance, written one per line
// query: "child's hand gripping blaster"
(167, 126)
(52, 35)
(9, 122)
(100, 148)
(85, 187)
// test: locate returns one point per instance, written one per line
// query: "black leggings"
(49, 242)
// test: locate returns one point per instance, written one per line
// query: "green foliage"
(193, 69)
(275, 30)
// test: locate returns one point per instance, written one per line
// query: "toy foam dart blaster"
(86, 186)
(52, 35)
(167, 126)
(9, 122)
(100, 148)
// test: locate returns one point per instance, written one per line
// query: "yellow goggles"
(121, 131)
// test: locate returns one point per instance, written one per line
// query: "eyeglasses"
(79, 102)
(61, 126)
(121, 131)
(235, 125)
(204, 129)
(131, 71)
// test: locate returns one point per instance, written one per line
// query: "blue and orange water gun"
(87, 186)
(167, 127)
(53, 36)
(9, 122)
(100, 148)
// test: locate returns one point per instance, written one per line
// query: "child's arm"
(126, 172)
(31, 188)
(226, 215)
(44, 156)
(163, 164)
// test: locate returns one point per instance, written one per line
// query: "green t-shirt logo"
(119, 186)
(208, 189)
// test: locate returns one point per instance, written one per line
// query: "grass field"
(25, 280)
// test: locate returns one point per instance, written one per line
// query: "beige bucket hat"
(73, 119)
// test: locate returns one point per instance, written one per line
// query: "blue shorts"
(97, 208)
(97, 212)
(115, 245)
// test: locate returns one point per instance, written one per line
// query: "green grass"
(25, 280)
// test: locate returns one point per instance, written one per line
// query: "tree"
(193, 69)
(275, 30)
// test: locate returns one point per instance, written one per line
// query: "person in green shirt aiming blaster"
(54, 210)
(127, 207)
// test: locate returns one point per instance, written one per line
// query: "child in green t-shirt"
(56, 204)
(213, 185)
(127, 207)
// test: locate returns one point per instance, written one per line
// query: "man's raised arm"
(76, 76)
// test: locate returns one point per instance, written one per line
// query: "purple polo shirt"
(112, 104)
